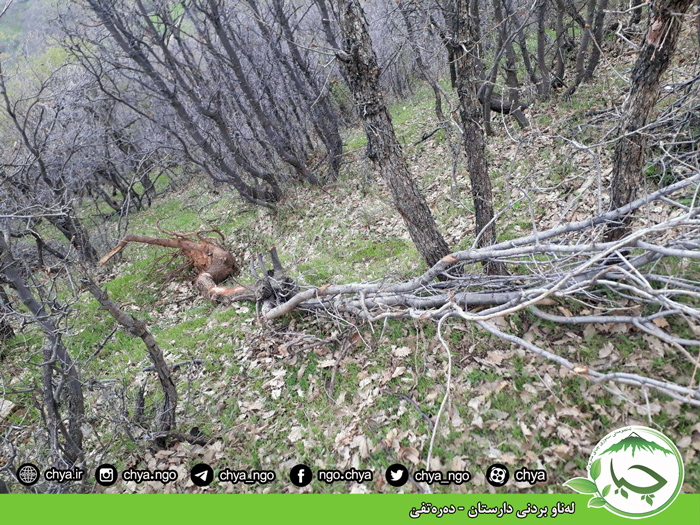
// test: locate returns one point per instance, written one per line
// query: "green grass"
(339, 236)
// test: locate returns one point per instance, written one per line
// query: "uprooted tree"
(204, 254)
(569, 263)
(214, 264)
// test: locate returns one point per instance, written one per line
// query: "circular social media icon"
(497, 475)
(106, 475)
(397, 475)
(202, 475)
(27, 474)
(300, 475)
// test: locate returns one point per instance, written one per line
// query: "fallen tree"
(566, 263)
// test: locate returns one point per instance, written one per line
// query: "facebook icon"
(300, 475)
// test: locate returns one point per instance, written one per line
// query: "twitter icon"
(397, 475)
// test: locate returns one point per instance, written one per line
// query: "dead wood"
(566, 262)
(206, 255)
(273, 287)
(216, 264)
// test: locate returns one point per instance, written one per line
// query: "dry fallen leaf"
(294, 434)
(402, 351)
(661, 322)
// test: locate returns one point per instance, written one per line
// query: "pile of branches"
(621, 281)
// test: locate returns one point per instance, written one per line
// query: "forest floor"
(333, 394)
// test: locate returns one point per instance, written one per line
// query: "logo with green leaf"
(634, 472)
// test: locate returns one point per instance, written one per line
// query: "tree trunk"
(463, 46)
(636, 13)
(282, 146)
(362, 74)
(654, 57)
(598, 34)
(6, 331)
(56, 360)
(422, 67)
(507, 104)
(559, 71)
(545, 83)
(320, 106)
(522, 44)
(74, 231)
(137, 328)
(583, 49)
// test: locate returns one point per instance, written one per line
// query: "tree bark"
(137, 328)
(422, 67)
(463, 47)
(558, 75)
(56, 359)
(654, 57)
(598, 34)
(6, 331)
(583, 48)
(545, 84)
(362, 74)
(510, 104)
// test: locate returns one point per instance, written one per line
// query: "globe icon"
(28, 474)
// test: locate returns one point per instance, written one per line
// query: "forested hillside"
(346, 234)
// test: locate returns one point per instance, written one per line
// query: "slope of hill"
(332, 393)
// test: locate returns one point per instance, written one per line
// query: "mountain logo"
(634, 472)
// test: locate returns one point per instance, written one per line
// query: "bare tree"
(60, 372)
(154, 42)
(654, 58)
(592, 32)
(463, 46)
(598, 34)
(362, 74)
(545, 82)
(507, 103)
(137, 328)
(34, 122)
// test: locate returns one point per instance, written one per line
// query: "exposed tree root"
(272, 288)
(205, 254)
(567, 263)
(216, 264)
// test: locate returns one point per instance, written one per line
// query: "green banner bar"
(201, 509)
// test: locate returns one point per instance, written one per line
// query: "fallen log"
(615, 280)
